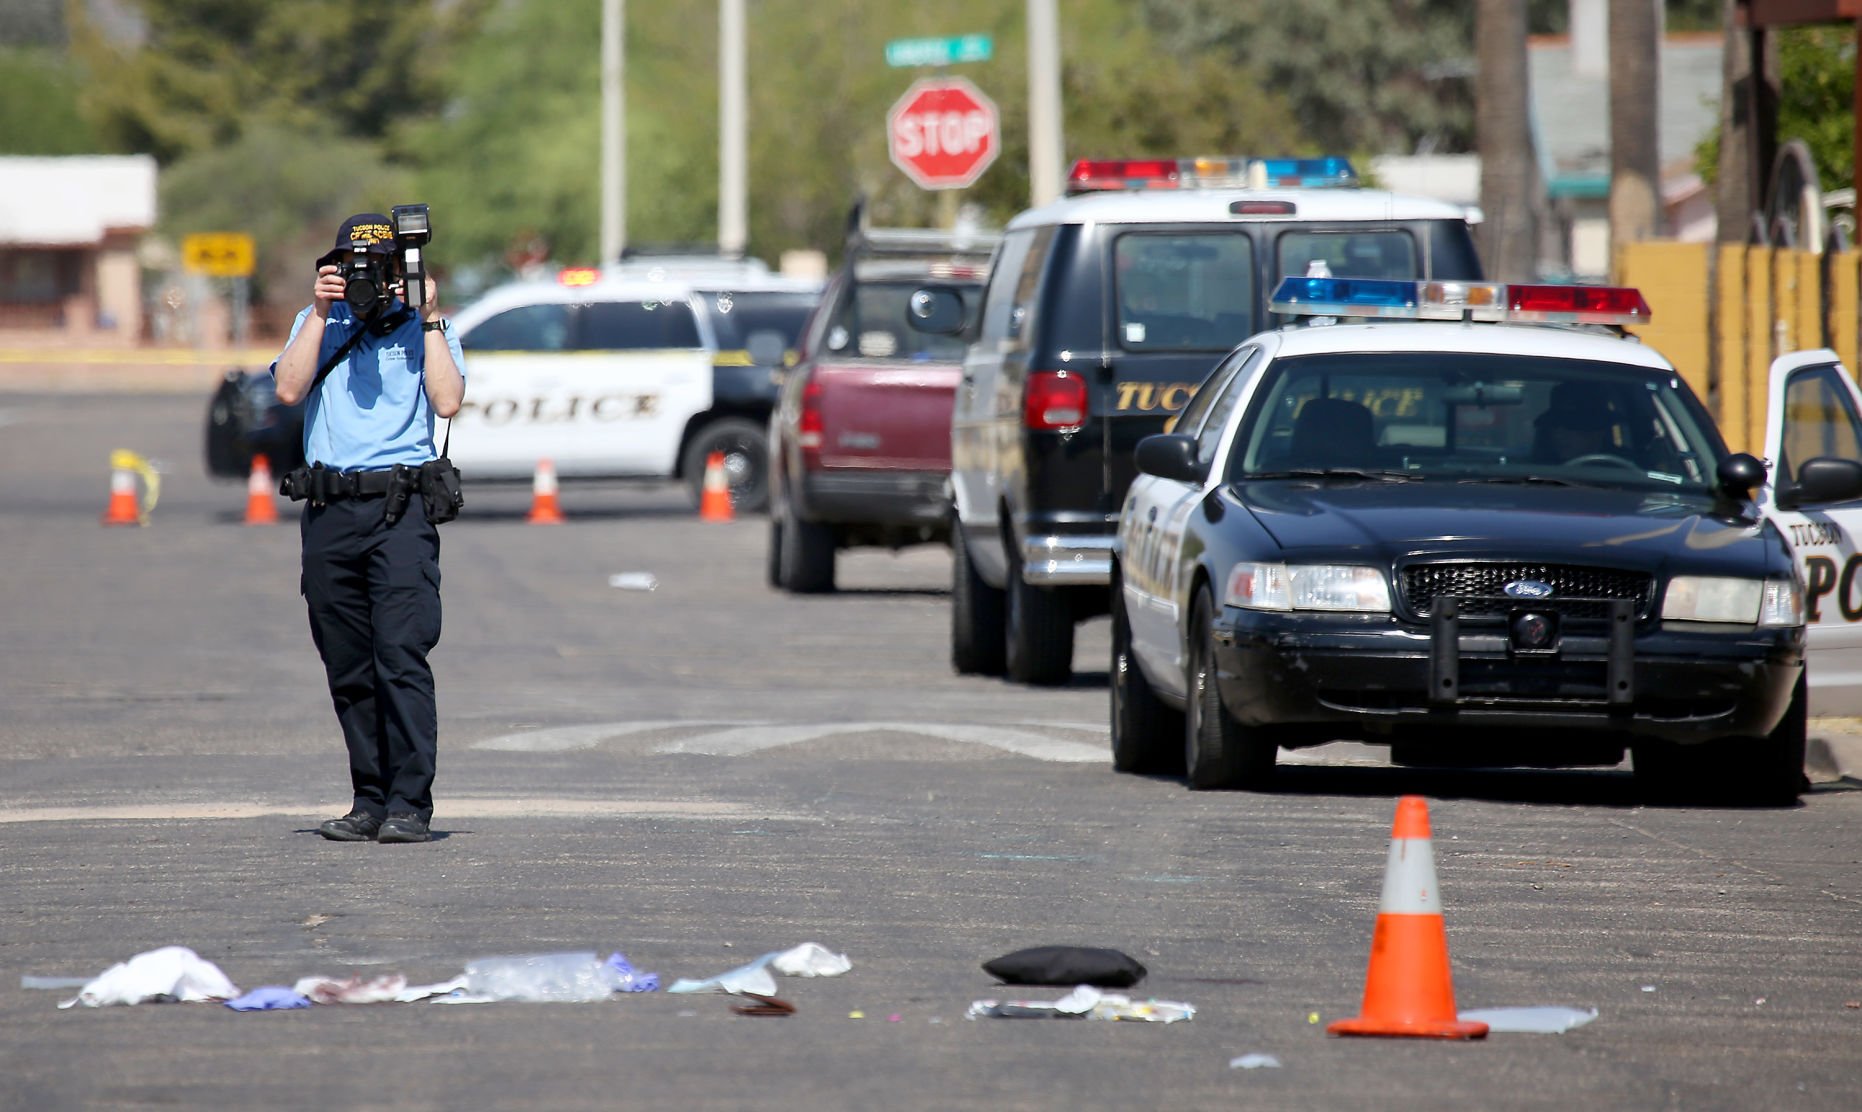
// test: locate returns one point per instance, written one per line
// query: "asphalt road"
(704, 772)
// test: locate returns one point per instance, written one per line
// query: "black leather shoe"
(403, 827)
(356, 826)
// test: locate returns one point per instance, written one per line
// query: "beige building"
(69, 230)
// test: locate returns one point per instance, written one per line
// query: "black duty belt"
(358, 484)
(322, 485)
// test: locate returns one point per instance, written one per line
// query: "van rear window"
(1183, 291)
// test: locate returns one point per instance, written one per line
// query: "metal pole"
(733, 222)
(613, 132)
(1044, 123)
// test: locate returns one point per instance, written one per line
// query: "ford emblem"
(1527, 588)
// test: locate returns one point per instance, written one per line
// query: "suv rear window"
(1385, 253)
(872, 325)
(638, 325)
(1183, 291)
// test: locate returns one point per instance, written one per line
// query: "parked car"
(1477, 543)
(860, 439)
(1103, 313)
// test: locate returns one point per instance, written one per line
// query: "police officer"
(371, 574)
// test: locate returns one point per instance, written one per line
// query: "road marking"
(448, 810)
(737, 739)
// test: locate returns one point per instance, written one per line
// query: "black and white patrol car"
(1104, 311)
(1478, 543)
(626, 373)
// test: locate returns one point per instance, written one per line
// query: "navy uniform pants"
(373, 590)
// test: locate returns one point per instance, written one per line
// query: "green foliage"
(1816, 67)
(289, 190)
(212, 68)
(1360, 78)
(39, 105)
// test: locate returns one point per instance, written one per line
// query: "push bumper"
(1367, 677)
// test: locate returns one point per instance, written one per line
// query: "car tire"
(976, 615)
(1218, 752)
(1745, 771)
(807, 557)
(773, 561)
(1039, 634)
(745, 447)
(1144, 729)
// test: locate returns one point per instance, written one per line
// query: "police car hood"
(1381, 522)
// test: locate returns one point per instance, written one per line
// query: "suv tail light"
(808, 426)
(1054, 401)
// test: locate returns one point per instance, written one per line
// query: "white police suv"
(1482, 541)
(627, 373)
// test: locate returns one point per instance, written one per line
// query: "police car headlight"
(1308, 587)
(1764, 602)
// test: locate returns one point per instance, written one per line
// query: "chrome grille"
(1578, 592)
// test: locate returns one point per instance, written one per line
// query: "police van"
(632, 372)
(1104, 311)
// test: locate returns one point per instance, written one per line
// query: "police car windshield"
(1477, 417)
(737, 313)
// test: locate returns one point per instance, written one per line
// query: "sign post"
(223, 255)
(943, 133)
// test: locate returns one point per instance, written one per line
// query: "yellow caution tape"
(125, 460)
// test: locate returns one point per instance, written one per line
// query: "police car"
(1481, 541)
(633, 372)
(1103, 312)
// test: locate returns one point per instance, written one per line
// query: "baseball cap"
(367, 229)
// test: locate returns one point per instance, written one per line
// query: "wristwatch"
(441, 325)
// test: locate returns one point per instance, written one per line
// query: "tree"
(1816, 79)
(39, 105)
(1635, 157)
(210, 68)
(1509, 175)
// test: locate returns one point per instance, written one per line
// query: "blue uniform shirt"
(371, 411)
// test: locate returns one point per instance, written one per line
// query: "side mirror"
(766, 347)
(936, 309)
(1740, 474)
(1823, 481)
(1170, 456)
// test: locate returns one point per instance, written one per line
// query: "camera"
(370, 275)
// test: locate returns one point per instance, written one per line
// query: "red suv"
(860, 437)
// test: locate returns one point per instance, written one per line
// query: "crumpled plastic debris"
(269, 998)
(29, 980)
(172, 973)
(1254, 1062)
(1546, 1020)
(1084, 1002)
(629, 979)
(810, 959)
(352, 990)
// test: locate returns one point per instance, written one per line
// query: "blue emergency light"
(1105, 174)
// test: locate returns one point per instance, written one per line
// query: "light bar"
(1454, 300)
(1094, 175)
(578, 275)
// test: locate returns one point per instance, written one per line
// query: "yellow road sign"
(218, 254)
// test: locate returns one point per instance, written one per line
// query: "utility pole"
(613, 132)
(733, 224)
(1635, 111)
(1045, 149)
(1509, 178)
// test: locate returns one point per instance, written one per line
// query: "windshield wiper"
(1526, 480)
(1334, 473)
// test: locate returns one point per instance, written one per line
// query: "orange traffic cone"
(122, 509)
(260, 509)
(715, 503)
(543, 507)
(1407, 991)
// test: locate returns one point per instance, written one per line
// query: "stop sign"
(942, 133)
